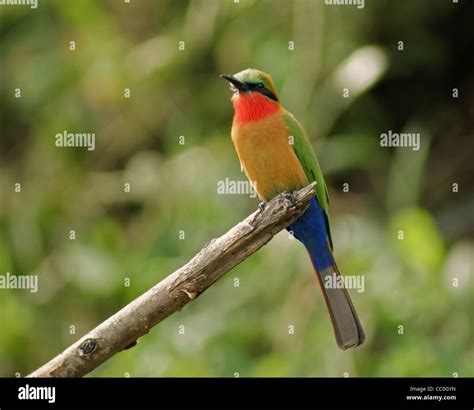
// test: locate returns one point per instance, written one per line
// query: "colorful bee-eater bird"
(276, 156)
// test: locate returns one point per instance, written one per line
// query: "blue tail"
(311, 229)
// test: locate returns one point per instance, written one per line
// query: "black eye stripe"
(256, 86)
(268, 93)
(262, 90)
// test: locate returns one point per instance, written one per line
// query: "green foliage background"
(176, 93)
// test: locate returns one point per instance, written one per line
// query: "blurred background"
(125, 242)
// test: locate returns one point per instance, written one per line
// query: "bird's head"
(253, 94)
(252, 81)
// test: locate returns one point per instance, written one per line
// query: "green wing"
(305, 153)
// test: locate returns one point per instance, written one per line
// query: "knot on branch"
(191, 294)
(88, 347)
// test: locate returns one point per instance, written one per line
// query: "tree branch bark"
(215, 259)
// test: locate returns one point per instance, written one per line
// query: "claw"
(261, 206)
(294, 198)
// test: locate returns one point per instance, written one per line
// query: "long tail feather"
(311, 230)
(344, 319)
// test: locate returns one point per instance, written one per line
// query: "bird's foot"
(294, 198)
(262, 205)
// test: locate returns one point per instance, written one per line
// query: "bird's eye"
(260, 85)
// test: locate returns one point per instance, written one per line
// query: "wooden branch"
(216, 258)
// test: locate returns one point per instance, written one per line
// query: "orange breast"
(267, 157)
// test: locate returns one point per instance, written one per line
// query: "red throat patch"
(252, 107)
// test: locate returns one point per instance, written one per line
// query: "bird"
(276, 156)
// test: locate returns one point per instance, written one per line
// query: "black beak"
(236, 83)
